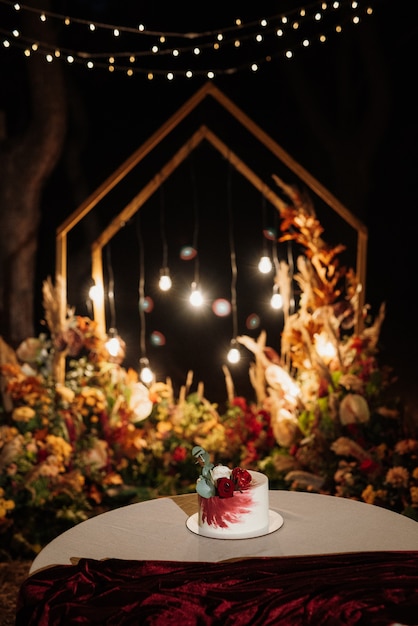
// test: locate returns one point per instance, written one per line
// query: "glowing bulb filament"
(113, 346)
(276, 301)
(234, 355)
(265, 265)
(196, 298)
(165, 280)
(145, 374)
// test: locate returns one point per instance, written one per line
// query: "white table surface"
(156, 530)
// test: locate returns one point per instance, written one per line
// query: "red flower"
(225, 487)
(41, 455)
(241, 478)
(240, 402)
(179, 454)
(368, 466)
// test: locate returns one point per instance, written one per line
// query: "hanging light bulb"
(145, 372)
(276, 299)
(112, 345)
(165, 280)
(196, 298)
(115, 346)
(265, 264)
(234, 355)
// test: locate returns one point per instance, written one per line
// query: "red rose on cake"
(241, 478)
(227, 481)
(225, 488)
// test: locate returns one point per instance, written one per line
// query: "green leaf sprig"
(204, 485)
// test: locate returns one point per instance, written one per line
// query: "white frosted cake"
(233, 503)
(244, 515)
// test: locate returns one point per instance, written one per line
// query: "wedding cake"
(233, 503)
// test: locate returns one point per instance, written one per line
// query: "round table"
(156, 530)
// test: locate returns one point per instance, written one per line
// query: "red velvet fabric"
(372, 588)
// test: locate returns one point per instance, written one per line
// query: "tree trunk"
(27, 158)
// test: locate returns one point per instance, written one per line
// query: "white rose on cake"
(220, 471)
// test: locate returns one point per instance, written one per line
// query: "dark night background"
(113, 115)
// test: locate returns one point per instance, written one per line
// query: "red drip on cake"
(222, 512)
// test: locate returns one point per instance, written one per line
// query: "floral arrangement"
(68, 451)
(219, 480)
(323, 418)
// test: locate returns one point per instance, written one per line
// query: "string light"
(290, 26)
(234, 355)
(264, 265)
(291, 270)
(196, 297)
(114, 345)
(165, 282)
(146, 374)
(276, 299)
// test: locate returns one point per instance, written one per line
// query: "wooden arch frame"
(203, 133)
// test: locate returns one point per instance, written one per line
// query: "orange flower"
(23, 414)
(397, 477)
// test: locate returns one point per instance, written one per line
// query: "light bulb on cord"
(145, 372)
(113, 343)
(115, 346)
(165, 280)
(276, 299)
(196, 298)
(265, 265)
(234, 355)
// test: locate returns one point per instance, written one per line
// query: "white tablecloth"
(156, 530)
